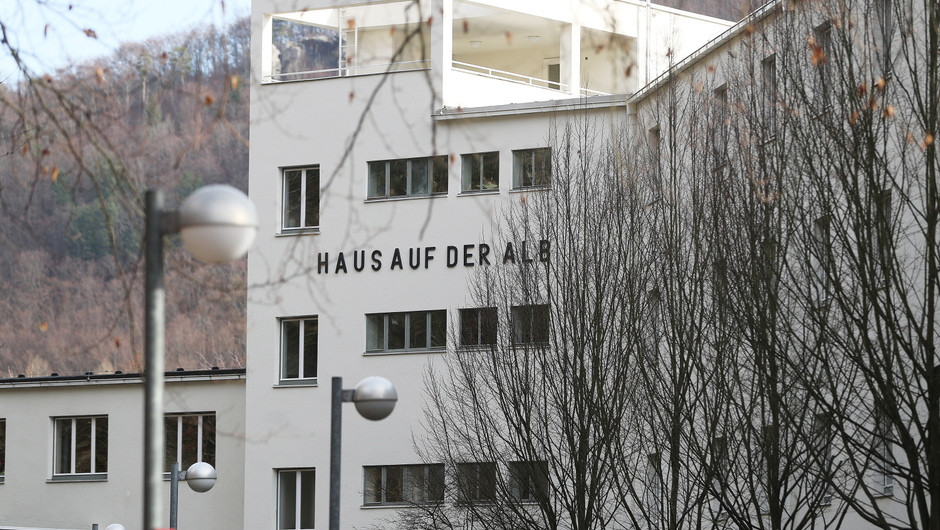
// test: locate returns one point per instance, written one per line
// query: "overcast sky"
(52, 33)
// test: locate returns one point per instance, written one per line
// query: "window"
(655, 141)
(721, 125)
(3, 448)
(653, 494)
(718, 474)
(821, 260)
(476, 482)
(412, 484)
(821, 49)
(532, 168)
(480, 172)
(295, 499)
(530, 324)
(301, 198)
(478, 326)
(299, 350)
(822, 460)
(528, 480)
(190, 438)
(770, 91)
(882, 454)
(81, 446)
(882, 29)
(414, 330)
(413, 177)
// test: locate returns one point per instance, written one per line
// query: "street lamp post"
(200, 476)
(375, 398)
(217, 223)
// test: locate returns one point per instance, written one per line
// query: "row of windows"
(404, 485)
(409, 331)
(80, 445)
(414, 177)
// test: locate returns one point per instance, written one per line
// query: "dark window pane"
(313, 198)
(64, 446)
(375, 332)
(377, 180)
(396, 331)
(419, 176)
(471, 172)
(418, 330)
(3, 446)
(490, 171)
(439, 178)
(291, 358)
(310, 348)
(469, 327)
(170, 424)
(208, 439)
(438, 329)
(540, 318)
(373, 485)
(292, 199)
(397, 178)
(393, 484)
(488, 321)
(82, 445)
(436, 482)
(101, 445)
(286, 500)
(190, 446)
(543, 167)
(307, 500)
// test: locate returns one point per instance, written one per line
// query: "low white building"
(71, 449)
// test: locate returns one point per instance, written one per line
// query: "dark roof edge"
(90, 376)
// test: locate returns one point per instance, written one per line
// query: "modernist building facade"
(387, 138)
(71, 448)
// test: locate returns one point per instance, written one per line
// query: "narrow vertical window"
(295, 499)
(3, 448)
(882, 452)
(821, 456)
(299, 354)
(770, 93)
(301, 198)
(721, 125)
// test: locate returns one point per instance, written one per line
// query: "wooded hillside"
(78, 148)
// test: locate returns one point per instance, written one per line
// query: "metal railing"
(349, 71)
(503, 75)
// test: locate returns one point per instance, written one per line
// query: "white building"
(385, 139)
(71, 448)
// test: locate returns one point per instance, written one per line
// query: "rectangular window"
(3, 448)
(821, 260)
(721, 125)
(476, 482)
(412, 484)
(532, 168)
(822, 459)
(413, 177)
(299, 349)
(413, 330)
(770, 92)
(81, 446)
(480, 172)
(295, 499)
(653, 493)
(882, 31)
(530, 324)
(528, 480)
(189, 438)
(301, 198)
(478, 326)
(883, 455)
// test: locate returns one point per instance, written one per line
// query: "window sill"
(469, 193)
(888, 491)
(406, 198)
(289, 232)
(402, 352)
(96, 477)
(296, 382)
(396, 506)
(525, 189)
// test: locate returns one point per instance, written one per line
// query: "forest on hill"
(78, 149)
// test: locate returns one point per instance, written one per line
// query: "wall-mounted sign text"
(470, 255)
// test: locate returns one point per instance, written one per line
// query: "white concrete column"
(442, 49)
(570, 58)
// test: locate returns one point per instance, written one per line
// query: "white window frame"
(521, 181)
(305, 176)
(57, 465)
(303, 322)
(300, 496)
(408, 343)
(410, 163)
(475, 163)
(200, 437)
(407, 472)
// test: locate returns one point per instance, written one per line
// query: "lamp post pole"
(375, 398)
(154, 328)
(217, 223)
